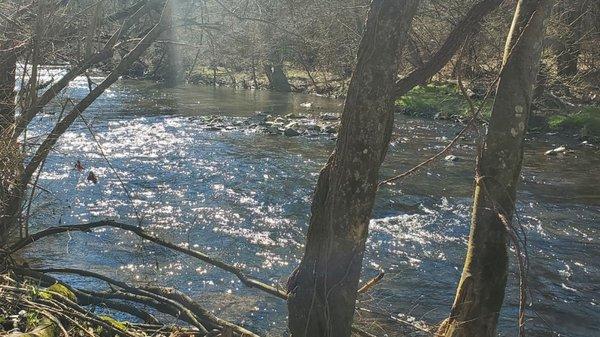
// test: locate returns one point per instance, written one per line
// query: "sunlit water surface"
(244, 197)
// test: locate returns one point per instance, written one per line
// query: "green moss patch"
(586, 122)
(435, 101)
(59, 289)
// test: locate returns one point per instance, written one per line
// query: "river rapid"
(244, 196)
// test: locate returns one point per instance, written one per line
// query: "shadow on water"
(245, 197)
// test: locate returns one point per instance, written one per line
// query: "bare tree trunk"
(8, 67)
(254, 80)
(469, 24)
(10, 162)
(278, 80)
(481, 289)
(569, 46)
(104, 54)
(171, 71)
(322, 290)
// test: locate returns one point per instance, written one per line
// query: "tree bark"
(8, 67)
(278, 80)
(173, 70)
(481, 288)
(322, 290)
(10, 159)
(569, 46)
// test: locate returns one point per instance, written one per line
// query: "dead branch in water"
(246, 280)
(142, 296)
(167, 301)
(372, 282)
(60, 306)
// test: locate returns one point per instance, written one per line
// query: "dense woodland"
(502, 71)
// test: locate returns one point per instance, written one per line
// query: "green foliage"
(435, 101)
(59, 289)
(586, 121)
(32, 319)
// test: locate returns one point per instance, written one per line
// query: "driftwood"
(61, 306)
(167, 301)
(371, 283)
(185, 300)
(151, 301)
(191, 318)
(84, 299)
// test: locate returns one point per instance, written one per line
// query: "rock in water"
(92, 177)
(451, 158)
(294, 116)
(291, 132)
(329, 117)
(213, 128)
(259, 118)
(330, 129)
(554, 152)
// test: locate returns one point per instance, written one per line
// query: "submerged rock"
(554, 152)
(273, 129)
(330, 129)
(329, 117)
(292, 125)
(313, 127)
(295, 116)
(291, 132)
(213, 128)
(259, 118)
(452, 158)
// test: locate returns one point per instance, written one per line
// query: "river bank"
(575, 115)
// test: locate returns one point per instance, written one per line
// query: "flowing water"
(244, 197)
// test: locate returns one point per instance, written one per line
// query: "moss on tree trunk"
(481, 288)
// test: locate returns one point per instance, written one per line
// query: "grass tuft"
(436, 101)
(586, 121)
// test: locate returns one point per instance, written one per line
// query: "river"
(244, 197)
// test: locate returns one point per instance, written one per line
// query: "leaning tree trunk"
(481, 289)
(322, 290)
(10, 159)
